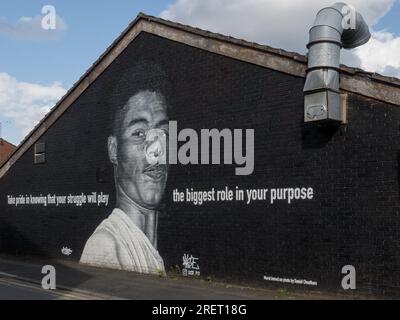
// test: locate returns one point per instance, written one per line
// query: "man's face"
(136, 154)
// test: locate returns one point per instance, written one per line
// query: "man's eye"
(138, 134)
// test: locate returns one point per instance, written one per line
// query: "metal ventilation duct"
(335, 27)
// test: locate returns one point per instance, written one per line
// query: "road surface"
(12, 289)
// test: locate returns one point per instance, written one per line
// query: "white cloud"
(381, 54)
(281, 24)
(27, 103)
(30, 28)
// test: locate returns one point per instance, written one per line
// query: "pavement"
(20, 279)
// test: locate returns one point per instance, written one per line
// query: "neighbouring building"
(6, 150)
(88, 184)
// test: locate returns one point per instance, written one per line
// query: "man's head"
(136, 149)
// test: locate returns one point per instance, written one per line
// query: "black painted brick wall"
(353, 219)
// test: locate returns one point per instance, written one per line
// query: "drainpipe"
(335, 27)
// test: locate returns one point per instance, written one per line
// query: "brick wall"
(353, 169)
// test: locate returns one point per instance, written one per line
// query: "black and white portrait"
(137, 150)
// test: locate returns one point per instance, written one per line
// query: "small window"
(40, 153)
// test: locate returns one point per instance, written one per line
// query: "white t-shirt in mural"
(119, 244)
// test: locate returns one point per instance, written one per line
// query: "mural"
(305, 206)
(127, 240)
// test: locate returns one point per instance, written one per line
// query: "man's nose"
(156, 150)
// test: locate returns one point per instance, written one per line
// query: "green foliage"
(283, 293)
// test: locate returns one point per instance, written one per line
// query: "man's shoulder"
(102, 249)
(104, 232)
(102, 238)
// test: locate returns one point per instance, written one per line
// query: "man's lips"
(156, 172)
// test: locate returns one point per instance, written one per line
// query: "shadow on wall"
(316, 137)
(25, 266)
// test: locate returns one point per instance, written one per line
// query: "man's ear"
(113, 149)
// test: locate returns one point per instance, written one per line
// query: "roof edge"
(280, 52)
(8, 142)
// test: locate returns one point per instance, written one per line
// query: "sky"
(38, 66)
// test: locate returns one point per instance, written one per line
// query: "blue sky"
(48, 67)
(391, 21)
(92, 26)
